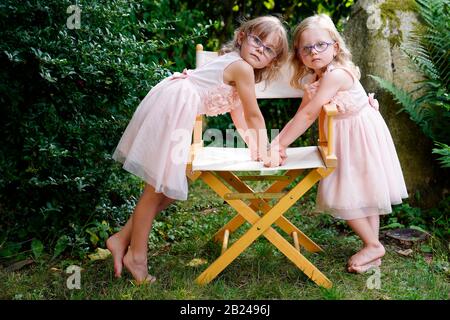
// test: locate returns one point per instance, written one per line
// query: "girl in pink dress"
(368, 178)
(155, 145)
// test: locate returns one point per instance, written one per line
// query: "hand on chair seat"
(275, 157)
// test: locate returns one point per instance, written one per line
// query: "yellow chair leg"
(262, 225)
(262, 205)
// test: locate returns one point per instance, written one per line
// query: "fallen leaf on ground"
(197, 262)
(100, 254)
(406, 252)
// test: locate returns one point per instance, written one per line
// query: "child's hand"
(276, 156)
(283, 155)
(272, 159)
(254, 155)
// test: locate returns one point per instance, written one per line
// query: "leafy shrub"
(67, 95)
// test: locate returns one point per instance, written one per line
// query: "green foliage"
(421, 116)
(292, 12)
(429, 49)
(444, 151)
(433, 220)
(67, 95)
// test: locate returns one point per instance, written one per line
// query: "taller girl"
(368, 178)
(156, 143)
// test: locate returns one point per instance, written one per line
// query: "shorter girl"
(368, 178)
(156, 143)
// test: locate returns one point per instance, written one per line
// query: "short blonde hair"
(262, 27)
(343, 57)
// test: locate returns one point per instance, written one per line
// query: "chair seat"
(238, 159)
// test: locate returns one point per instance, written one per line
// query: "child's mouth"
(255, 56)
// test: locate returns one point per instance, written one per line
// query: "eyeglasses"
(319, 47)
(256, 42)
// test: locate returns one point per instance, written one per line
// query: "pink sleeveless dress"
(368, 178)
(155, 145)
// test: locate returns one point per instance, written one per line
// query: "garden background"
(67, 92)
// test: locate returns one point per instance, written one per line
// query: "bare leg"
(135, 260)
(372, 249)
(118, 243)
(375, 223)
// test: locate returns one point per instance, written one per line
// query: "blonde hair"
(343, 57)
(263, 27)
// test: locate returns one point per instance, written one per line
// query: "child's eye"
(270, 52)
(321, 46)
(258, 41)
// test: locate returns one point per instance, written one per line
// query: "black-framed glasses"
(319, 47)
(256, 42)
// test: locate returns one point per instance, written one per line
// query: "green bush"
(67, 96)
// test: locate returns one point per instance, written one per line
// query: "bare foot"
(150, 279)
(367, 254)
(366, 267)
(138, 269)
(118, 249)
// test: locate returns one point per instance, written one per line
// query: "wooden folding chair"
(216, 167)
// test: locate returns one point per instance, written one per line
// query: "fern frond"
(421, 115)
(422, 61)
(434, 37)
(444, 151)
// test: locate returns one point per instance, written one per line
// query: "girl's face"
(257, 52)
(316, 49)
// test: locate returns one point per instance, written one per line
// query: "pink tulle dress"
(155, 145)
(368, 178)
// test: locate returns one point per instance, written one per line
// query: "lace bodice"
(221, 99)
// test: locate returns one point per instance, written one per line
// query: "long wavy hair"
(343, 57)
(263, 27)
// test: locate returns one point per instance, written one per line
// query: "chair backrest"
(278, 88)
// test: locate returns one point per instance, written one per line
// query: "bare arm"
(238, 118)
(306, 115)
(241, 73)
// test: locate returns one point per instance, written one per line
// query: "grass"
(182, 233)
